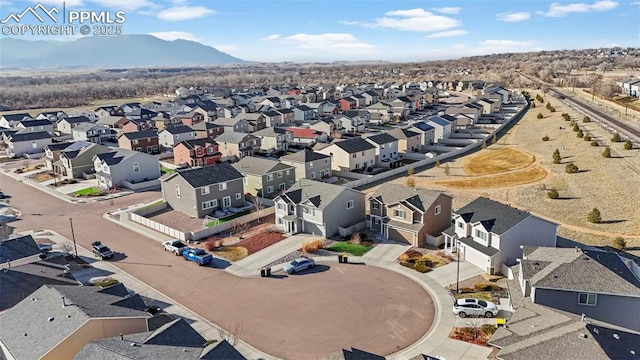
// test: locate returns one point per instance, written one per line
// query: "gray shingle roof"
(18, 248)
(259, 166)
(88, 126)
(35, 122)
(487, 250)
(178, 129)
(420, 199)
(140, 134)
(76, 119)
(208, 175)
(17, 117)
(320, 194)
(382, 138)
(402, 133)
(117, 156)
(354, 145)
(423, 126)
(191, 144)
(304, 156)
(29, 135)
(494, 216)
(233, 137)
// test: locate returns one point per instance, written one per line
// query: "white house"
(441, 127)
(175, 134)
(120, 165)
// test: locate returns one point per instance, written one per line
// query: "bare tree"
(257, 202)
(232, 334)
(66, 248)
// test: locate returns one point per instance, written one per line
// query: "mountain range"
(108, 52)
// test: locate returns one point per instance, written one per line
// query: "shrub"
(594, 216)
(355, 238)
(421, 267)
(106, 282)
(488, 329)
(487, 287)
(606, 153)
(552, 109)
(213, 244)
(411, 182)
(540, 116)
(587, 138)
(437, 163)
(445, 256)
(309, 247)
(571, 168)
(533, 105)
(556, 157)
(579, 134)
(545, 138)
(586, 119)
(619, 243)
(566, 117)
(616, 138)
(467, 290)
(411, 254)
(553, 194)
(576, 128)
(628, 145)
(410, 171)
(403, 258)
(594, 143)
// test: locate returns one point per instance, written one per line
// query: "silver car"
(299, 264)
(474, 307)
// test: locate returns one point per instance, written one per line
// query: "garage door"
(475, 257)
(400, 236)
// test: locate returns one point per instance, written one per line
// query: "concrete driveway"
(446, 275)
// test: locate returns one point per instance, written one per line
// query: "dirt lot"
(499, 160)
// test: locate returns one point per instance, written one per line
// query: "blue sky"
(394, 30)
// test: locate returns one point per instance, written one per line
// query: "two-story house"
(309, 164)
(408, 141)
(197, 152)
(10, 121)
(426, 132)
(203, 191)
(233, 124)
(143, 141)
(238, 144)
(274, 140)
(326, 125)
(264, 177)
(488, 233)
(409, 215)
(36, 125)
(307, 137)
(319, 208)
(66, 125)
(386, 150)
(94, 133)
(52, 153)
(351, 154)
(26, 142)
(174, 134)
(77, 159)
(304, 113)
(352, 124)
(117, 166)
(381, 113)
(207, 130)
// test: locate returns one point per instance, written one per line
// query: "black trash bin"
(340, 258)
(345, 258)
(263, 272)
(268, 271)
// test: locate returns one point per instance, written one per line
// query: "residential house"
(320, 208)
(488, 233)
(304, 113)
(95, 133)
(237, 144)
(66, 125)
(408, 141)
(264, 177)
(489, 106)
(329, 107)
(309, 164)
(18, 250)
(272, 101)
(26, 142)
(191, 118)
(371, 97)
(204, 191)
(10, 121)
(117, 166)
(233, 124)
(175, 134)
(355, 121)
(52, 116)
(255, 121)
(196, 152)
(441, 128)
(400, 108)
(52, 153)
(174, 340)
(410, 215)
(274, 140)
(77, 159)
(143, 141)
(349, 155)
(498, 90)
(104, 111)
(134, 125)
(307, 137)
(326, 125)
(598, 284)
(347, 103)
(273, 118)
(55, 322)
(113, 121)
(386, 150)
(207, 130)
(426, 131)
(631, 87)
(380, 113)
(128, 107)
(36, 125)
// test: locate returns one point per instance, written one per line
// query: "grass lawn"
(533, 174)
(231, 253)
(166, 170)
(153, 203)
(497, 161)
(357, 250)
(482, 295)
(91, 191)
(220, 221)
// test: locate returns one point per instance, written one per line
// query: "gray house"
(274, 139)
(18, 250)
(27, 142)
(309, 164)
(204, 191)
(12, 120)
(265, 178)
(95, 133)
(175, 134)
(599, 284)
(488, 233)
(77, 159)
(36, 125)
(66, 125)
(117, 166)
(386, 150)
(319, 208)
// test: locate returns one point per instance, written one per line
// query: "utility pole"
(73, 237)
(458, 269)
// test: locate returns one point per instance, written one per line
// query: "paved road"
(304, 316)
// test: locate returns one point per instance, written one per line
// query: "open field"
(530, 175)
(497, 161)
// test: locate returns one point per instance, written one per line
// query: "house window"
(279, 174)
(587, 299)
(269, 189)
(177, 191)
(376, 220)
(438, 209)
(209, 204)
(481, 235)
(269, 177)
(310, 165)
(398, 213)
(281, 186)
(350, 204)
(363, 153)
(460, 224)
(354, 155)
(326, 161)
(204, 190)
(226, 201)
(376, 206)
(279, 205)
(292, 208)
(313, 175)
(290, 182)
(280, 221)
(134, 142)
(238, 196)
(222, 186)
(287, 172)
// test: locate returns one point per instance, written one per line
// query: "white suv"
(474, 307)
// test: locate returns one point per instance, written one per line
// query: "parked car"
(175, 246)
(198, 255)
(474, 307)
(299, 264)
(101, 250)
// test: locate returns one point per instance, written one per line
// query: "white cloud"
(58, 3)
(179, 13)
(507, 43)
(450, 33)
(559, 10)
(330, 42)
(175, 35)
(346, 22)
(414, 20)
(226, 48)
(271, 37)
(124, 4)
(5, 3)
(513, 16)
(448, 10)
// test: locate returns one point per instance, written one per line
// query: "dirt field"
(497, 161)
(516, 178)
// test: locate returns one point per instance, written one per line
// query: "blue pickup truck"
(197, 255)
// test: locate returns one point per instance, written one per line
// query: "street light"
(73, 237)
(458, 268)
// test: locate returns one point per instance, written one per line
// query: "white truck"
(175, 246)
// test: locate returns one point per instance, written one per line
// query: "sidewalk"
(103, 268)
